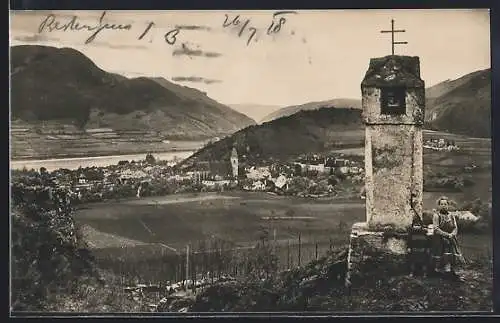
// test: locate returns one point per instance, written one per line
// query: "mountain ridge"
(101, 99)
(461, 106)
(255, 111)
(306, 131)
(289, 110)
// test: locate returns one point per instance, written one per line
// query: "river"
(99, 161)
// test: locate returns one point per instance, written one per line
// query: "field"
(29, 142)
(239, 217)
(161, 229)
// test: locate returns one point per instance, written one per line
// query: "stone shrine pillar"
(393, 100)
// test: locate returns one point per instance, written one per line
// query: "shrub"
(481, 210)
(49, 257)
(150, 159)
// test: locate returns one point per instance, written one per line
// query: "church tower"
(234, 163)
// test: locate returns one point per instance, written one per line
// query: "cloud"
(34, 38)
(116, 46)
(194, 79)
(185, 50)
(193, 27)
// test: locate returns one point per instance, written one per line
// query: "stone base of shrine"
(372, 249)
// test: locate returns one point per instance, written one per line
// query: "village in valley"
(307, 176)
(151, 177)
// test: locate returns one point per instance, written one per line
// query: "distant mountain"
(306, 131)
(62, 84)
(461, 106)
(255, 111)
(337, 103)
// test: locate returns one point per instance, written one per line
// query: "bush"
(481, 210)
(49, 257)
(150, 159)
(451, 184)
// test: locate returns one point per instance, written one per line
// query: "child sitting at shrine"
(445, 250)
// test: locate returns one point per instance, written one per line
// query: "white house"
(466, 216)
(258, 173)
(82, 179)
(212, 184)
(280, 181)
(129, 174)
(317, 167)
(258, 186)
(344, 169)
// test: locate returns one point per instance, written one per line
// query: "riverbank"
(94, 161)
(28, 146)
(82, 155)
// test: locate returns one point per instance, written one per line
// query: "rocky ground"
(381, 286)
(319, 286)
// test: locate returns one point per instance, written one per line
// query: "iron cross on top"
(392, 31)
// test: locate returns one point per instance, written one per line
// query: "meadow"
(147, 240)
(238, 217)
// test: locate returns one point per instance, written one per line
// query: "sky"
(316, 55)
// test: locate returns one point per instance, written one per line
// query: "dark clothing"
(444, 249)
(447, 222)
(419, 248)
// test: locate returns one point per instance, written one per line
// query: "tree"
(332, 180)
(150, 159)
(297, 170)
(49, 257)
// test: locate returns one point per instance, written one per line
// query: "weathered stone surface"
(394, 70)
(393, 168)
(393, 143)
(367, 244)
(414, 102)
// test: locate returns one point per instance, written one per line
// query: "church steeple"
(234, 162)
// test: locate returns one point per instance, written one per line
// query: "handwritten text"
(50, 23)
(278, 20)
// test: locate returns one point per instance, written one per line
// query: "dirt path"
(177, 200)
(97, 239)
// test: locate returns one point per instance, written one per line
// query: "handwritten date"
(274, 27)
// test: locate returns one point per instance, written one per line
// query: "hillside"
(444, 87)
(338, 103)
(255, 111)
(63, 85)
(461, 106)
(305, 131)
